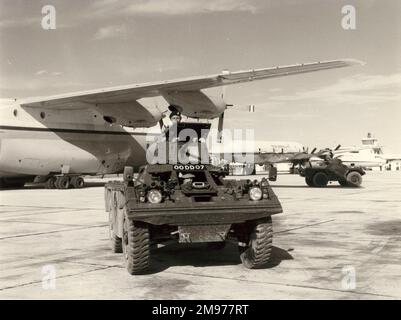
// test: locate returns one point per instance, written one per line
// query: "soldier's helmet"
(175, 115)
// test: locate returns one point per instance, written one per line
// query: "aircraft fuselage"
(41, 142)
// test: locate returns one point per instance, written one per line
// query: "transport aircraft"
(57, 139)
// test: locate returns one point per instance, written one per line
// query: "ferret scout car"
(328, 168)
(190, 203)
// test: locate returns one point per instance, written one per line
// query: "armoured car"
(318, 174)
(189, 203)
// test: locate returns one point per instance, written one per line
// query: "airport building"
(393, 161)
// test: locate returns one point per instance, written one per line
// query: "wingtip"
(353, 62)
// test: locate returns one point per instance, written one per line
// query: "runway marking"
(245, 280)
(18, 216)
(305, 226)
(60, 277)
(50, 232)
(95, 264)
(31, 212)
(74, 259)
(288, 285)
(37, 222)
(32, 209)
(381, 245)
(41, 207)
(105, 267)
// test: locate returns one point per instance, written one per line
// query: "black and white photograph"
(217, 152)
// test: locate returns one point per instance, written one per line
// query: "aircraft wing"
(123, 105)
(272, 158)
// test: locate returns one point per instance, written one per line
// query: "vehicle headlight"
(155, 196)
(255, 193)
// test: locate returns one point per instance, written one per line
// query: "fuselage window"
(42, 115)
(15, 112)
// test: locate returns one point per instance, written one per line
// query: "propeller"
(220, 128)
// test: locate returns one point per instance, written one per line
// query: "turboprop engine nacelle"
(196, 104)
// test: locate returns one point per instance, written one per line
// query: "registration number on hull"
(189, 167)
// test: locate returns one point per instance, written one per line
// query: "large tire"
(354, 179)
(77, 182)
(320, 179)
(62, 182)
(309, 181)
(136, 246)
(257, 253)
(51, 183)
(116, 242)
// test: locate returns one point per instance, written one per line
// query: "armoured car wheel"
(320, 179)
(354, 179)
(309, 181)
(116, 242)
(257, 252)
(77, 182)
(135, 246)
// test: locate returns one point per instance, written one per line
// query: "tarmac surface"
(331, 243)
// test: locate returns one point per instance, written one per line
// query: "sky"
(116, 42)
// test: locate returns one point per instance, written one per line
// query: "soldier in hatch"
(175, 116)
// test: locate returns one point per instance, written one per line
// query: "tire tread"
(259, 254)
(138, 247)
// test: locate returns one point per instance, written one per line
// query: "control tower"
(371, 142)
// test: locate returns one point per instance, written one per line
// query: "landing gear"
(77, 182)
(64, 182)
(51, 183)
